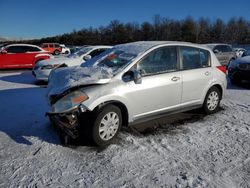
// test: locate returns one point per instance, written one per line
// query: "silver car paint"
(145, 99)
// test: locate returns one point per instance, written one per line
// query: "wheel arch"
(219, 87)
(120, 105)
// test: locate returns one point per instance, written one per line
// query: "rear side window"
(223, 48)
(205, 58)
(193, 58)
(32, 49)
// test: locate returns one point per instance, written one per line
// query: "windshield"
(114, 59)
(80, 52)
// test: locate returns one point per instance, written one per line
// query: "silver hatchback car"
(132, 83)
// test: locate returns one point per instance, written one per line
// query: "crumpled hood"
(62, 79)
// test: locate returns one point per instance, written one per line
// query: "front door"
(160, 89)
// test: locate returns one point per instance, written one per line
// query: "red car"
(21, 56)
(53, 48)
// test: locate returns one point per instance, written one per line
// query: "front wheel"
(56, 52)
(212, 100)
(106, 125)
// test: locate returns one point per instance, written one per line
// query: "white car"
(239, 51)
(65, 50)
(42, 69)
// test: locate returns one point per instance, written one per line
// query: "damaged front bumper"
(68, 121)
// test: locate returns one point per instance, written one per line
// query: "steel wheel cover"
(213, 101)
(109, 126)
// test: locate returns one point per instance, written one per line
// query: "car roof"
(23, 45)
(19, 44)
(142, 46)
(50, 43)
(31, 45)
(98, 46)
(216, 44)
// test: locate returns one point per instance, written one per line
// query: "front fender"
(92, 104)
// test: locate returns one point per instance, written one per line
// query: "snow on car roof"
(141, 46)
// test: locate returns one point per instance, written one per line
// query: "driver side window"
(158, 61)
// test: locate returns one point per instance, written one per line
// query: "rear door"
(29, 55)
(196, 74)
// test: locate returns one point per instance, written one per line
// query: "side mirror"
(4, 52)
(216, 51)
(134, 75)
(87, 57)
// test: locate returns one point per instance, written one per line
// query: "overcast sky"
(43, 18)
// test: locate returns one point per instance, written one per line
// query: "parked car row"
(43, 68)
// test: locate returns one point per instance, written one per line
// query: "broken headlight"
(69, 102)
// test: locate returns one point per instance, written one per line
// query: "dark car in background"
(239, 70)
(224, 52)
(246, 53)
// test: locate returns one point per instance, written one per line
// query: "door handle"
(175, 78)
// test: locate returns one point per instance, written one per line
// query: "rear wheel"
(107, 123)
(56, 52)
(212, 100)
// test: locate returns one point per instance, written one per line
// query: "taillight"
(222, 69)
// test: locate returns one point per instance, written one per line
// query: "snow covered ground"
(187, 149)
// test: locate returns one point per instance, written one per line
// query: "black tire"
(67, 52)
(56, 52)
(212, 100)
(108, 113)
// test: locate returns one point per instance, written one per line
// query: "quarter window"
(158, 61)
(193, 58)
